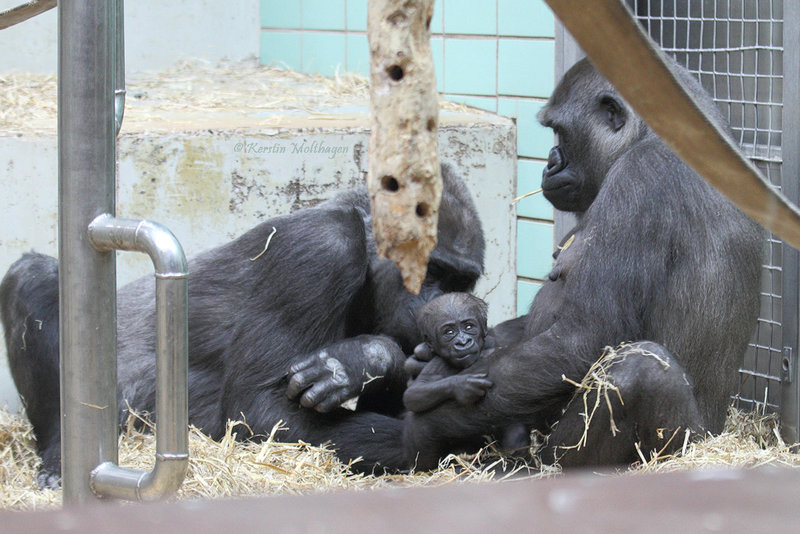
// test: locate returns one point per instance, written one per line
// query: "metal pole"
(87, 304)
(790, 173)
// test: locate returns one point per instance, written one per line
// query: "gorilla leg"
(657, 407)
(371, 441)
(29, 310)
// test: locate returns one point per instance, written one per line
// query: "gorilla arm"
(362, 368)
(437, 384)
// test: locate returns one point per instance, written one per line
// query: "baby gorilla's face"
(459, 341)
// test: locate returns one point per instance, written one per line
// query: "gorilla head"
(577, 166)
(454, 327)
(594, 126)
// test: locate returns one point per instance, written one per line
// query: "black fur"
(319, 313)
(453, 327)
(659, 258)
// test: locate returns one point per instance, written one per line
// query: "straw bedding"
(28, 102)
(231, 468)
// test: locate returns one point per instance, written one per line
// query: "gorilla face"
(454, 326)
(594, 126)
(459, 340)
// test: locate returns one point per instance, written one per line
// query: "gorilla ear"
(613, 110)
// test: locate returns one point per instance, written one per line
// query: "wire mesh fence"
(735, 47)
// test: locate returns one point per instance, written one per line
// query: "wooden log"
(404, 180)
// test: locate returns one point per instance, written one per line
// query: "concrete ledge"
(763, 500)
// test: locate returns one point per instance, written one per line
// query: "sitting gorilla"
(660, 266)
(319, 301)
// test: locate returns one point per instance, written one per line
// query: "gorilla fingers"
(338, 374)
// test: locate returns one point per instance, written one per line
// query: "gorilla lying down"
(318, 306)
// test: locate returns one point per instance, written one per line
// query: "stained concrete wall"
(210, 185)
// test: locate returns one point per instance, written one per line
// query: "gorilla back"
(319, 299)
(659, 260)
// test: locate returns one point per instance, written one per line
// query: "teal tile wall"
(324, 53)
(470, 66)
(323, 14)
(357, 54)
(356, 15)
(496, 55)
(525, 67)
(534, 249)
(533, 140)
(282, 48)
(526, 290)
(478, 17)
(529, 179)
(280, 14)
(524, 18)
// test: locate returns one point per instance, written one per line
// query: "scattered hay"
(230, 468)
(225, 468)
(597, 381)
(749, 440)
(28, 102)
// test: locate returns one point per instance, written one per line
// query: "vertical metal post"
(790, 152)
(87, 304)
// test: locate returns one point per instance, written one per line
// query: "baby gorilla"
(453, 327)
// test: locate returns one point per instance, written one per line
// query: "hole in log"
(389, 183)
(431, 125)
(397, 18)
(395, 72)
(422, 209)
(428, 23)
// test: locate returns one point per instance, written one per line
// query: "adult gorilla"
(659, 259)
(319, 299)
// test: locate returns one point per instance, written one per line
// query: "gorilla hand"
(469, 389)
(339, 373)
(321, 382)
(414, 367)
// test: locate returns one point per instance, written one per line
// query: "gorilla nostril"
(555, 161)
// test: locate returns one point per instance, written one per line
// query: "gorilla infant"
(453, 327)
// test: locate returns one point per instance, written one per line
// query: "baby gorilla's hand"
(469, 389)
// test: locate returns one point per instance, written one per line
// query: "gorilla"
(317, 322)
(660, 274)
(453, 328)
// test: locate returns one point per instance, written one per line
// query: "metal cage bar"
(90, 100)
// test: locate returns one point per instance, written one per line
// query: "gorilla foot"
(48, 479)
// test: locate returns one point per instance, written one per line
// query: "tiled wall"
(492, 54)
